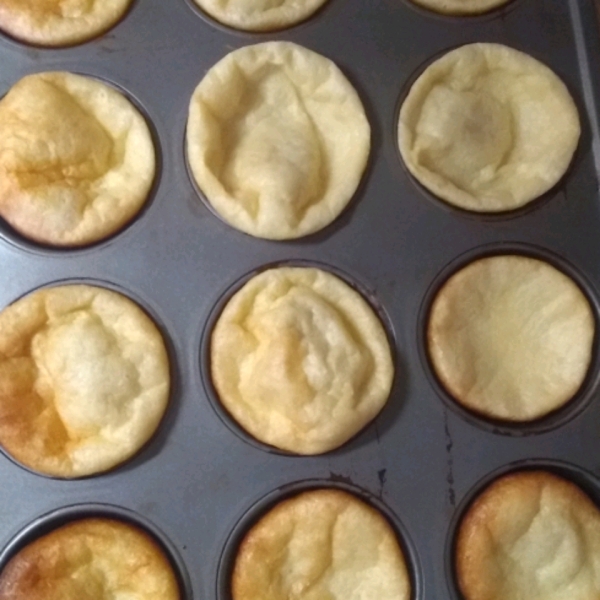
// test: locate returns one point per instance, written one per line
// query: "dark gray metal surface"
(197, 478)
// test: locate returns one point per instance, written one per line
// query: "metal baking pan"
(198, 483)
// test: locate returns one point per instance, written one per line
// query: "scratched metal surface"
(421, 458)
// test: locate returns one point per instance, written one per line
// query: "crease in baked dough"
(298, 587)
(307, 355)
(124, 380)
(484, 118)
(52, 168)
(272, 154)
(85, 174)
(90, 577)
(556, 556)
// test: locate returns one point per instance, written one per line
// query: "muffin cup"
(268, 501)
(157, 438)
(588, 482)
(573, 407)
(205, 350)
(56, 518)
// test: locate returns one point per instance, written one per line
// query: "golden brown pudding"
(321, 544)
(300, 360)
(461, 7)
(260, 15)
(59, 22)
(76, 159)
(488, 128)
(530, 535)
(84, 380)
(90, 559)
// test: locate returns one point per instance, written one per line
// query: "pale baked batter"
(461, 7)
(260, 15)
(530, 535)
(277, 140)
(84, 380)
(511, 337)
(90, 559)
(300, 360)
(321, 544)
(59, 22)
(76, 159)
(488, 128)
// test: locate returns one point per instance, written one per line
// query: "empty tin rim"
(56, 518)
(167, 419)
(22, 242)
(557, 418)
(270, 500)
(585, 480)
(205, 347)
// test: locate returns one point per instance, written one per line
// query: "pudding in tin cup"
(84, 380)
(90, 559)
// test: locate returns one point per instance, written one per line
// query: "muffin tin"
(197, 483)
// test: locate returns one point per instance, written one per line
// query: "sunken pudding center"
(272, 160)
(464, 133)
(51, 140)
(82, 369)
(303, 352)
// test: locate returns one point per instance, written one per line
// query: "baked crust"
(90, 559)
(59, 22)
(530, 535)
(461, 7)
(487, 128)
(84, 380)
(277, 140)
(76, 159)
(510, 337)
(321, 544)
(300, 360)
(260, 15)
